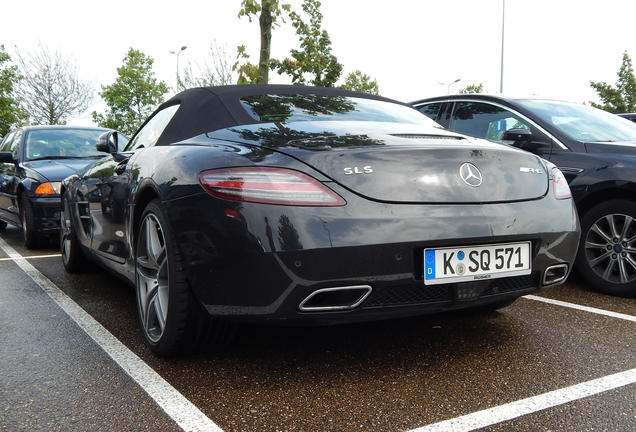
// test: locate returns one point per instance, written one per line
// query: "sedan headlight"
(48, 188)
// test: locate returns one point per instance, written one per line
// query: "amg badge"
(531, 170)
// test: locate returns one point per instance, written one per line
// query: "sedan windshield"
(581, 122)
(62, 143)
(310, 107)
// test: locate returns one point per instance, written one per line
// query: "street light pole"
(177, 53)
(503, 27)
(448, 85)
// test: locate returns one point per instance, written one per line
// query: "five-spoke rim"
(609, 248)
(152, 278)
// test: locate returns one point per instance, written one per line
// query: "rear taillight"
(560, 185)
(268, 185)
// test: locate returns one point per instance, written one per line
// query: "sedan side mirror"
(6, 157)
(517, 136)
(107, 142)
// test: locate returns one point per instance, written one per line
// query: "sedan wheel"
(72, 255)
(607, 252)
(31, 237)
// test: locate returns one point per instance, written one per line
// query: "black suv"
(594, 149)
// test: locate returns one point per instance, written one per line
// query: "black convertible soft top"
(205, 109)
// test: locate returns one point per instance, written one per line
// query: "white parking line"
(530, 405)
(583, 308)
(175, 405)
(31, 257)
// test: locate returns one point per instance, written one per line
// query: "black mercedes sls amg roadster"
(311, 205)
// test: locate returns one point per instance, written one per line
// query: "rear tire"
(606, 258)
(171, 318)
(32, 239)
(73, 256)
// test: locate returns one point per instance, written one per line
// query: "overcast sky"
(553, 48)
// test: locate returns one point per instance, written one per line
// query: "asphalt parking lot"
(534, 366)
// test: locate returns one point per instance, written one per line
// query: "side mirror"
(107, 142)
(517, 136)
(6, 157)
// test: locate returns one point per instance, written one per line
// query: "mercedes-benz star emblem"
(470, 174)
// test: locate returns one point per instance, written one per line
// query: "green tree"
(10, 112)
(472, 88)
(247, 72)
(314, 62)
(620, 98)
(133, 96)
(270, 14)
(361, 82)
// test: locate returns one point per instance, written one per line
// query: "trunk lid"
(397, 162)
(414, 168)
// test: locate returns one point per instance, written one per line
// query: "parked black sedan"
(312, 205)
(595, 150)
(33, 162)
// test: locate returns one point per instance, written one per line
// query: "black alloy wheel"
(171, 318)
(153, 280)
(607, 250)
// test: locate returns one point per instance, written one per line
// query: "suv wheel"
(607, 251)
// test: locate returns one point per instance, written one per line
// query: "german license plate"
(471, 263)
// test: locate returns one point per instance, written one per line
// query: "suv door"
(490, 121)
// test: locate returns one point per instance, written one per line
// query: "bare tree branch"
(51, 90)
(217, 71)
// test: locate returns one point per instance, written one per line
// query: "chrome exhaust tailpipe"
(337, 298)
(555, 274)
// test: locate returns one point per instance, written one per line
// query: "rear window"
(309, 107)
(431, 110)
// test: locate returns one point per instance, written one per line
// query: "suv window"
(483, 120)
(430, 110)
(150, 133)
